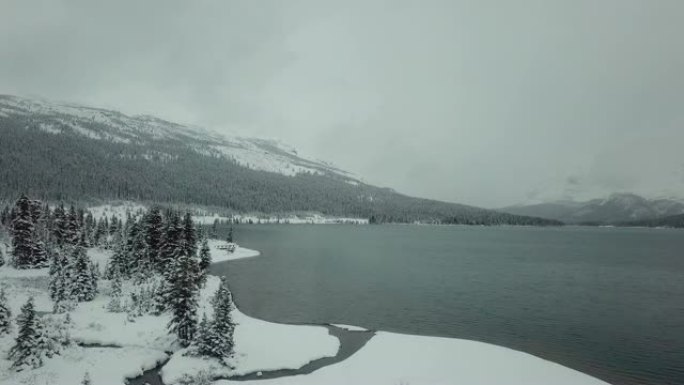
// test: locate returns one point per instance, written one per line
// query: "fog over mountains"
(616, 209)
(59, 151)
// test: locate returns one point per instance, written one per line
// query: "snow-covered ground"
(118, 209)
(134, 346)
(350, 328)
(259, 346)
(387, 359)
(395, 359)
(222, 255)
(121, 209)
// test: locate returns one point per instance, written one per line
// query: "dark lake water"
(608, 302)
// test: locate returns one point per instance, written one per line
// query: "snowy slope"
(101, 124)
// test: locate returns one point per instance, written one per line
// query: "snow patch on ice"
(350, 327)
(220, 254)
(391, 359)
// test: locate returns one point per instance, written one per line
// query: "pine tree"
(204, 262)
(2, 258)
(22, 235)
(5, 314)
(26, 351)
(135, 251)
(59, 226)
(189, 235)
(39, 236)
(99, 236)
(84, 285)
(223, 305)
(115, 305)
(73, 228)
(171, 240)
(153, 223)
(182, 296)
(118, 264)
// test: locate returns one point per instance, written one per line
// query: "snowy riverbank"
(112, 348)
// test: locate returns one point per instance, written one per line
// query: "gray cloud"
(480, 102)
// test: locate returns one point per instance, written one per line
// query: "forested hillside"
(64, 152)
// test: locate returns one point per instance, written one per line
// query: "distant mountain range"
(58, 151)
(617, 209)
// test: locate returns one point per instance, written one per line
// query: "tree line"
(159, 255)
(69, 166)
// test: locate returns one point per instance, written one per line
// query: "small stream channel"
(351, 341)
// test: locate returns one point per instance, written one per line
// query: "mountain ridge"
(64, 151)
(617, 208)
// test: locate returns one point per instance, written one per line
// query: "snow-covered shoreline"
(386, 359)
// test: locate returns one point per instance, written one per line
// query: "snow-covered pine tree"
(117, 263)
(181, 297)
(153, 226)
(135, 251)
(223, 321)
(5, 314)
(115, 305)
(22, 234)
(204, 262)
(59, 226)
(26, 351)
(39, 236)
(171, 240)
(83, 284)
(73, 230)
(189, 235)
(99, 236)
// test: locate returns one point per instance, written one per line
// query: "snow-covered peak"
(256, 153)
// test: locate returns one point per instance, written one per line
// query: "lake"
(606, 301)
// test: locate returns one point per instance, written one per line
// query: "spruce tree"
(22, 234)
(84, 285)
(171, 241)
(153, 223)
(223, 305)
(135, 251)
(39, 236)
(5, 314)
(115, 305)
(59, 226)
(189, 235)
(204, 262)
(209, 342)
(182, 295)
(99, 233)
(73, 228)
(26, 351)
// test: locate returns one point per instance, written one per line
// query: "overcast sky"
(482, 102)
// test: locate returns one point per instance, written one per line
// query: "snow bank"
(259, 345)
(104, 365)
(350, 328)
(118, 210)
(222, 255)
(392, 359)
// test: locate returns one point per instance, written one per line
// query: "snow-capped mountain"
(107, 125)
(61, 151)
(614, 209)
